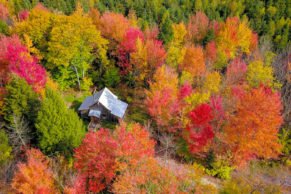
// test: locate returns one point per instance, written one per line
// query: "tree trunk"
(78, 79)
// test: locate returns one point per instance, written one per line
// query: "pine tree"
(20, 101)
(58, 129)
(166, 30)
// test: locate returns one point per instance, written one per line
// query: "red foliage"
(197, 27)
(201, 117)
(184, 91)
(23, 15)
(26, 66)
(127, 46)
(133, 144)
(236, 71)
(217, 109)
(156, 53)
(4, 63)
(4, 12)
(95, 160)
(40, 7)
(211, 51)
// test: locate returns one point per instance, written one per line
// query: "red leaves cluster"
(127, 46)
(26, 66)
(95, 160)
(101, 155)
(23, 15)
(14, 57)
(200, 132)
(211, 51)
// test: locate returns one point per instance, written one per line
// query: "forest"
(207, 83)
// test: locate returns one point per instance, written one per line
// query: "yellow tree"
(176, 50)
(72, 40)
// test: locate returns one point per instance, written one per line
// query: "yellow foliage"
(260, 73)
(212, 82)
(53, 85)
(176, 50)
(186, 77)
(196, 99)
(179, 34)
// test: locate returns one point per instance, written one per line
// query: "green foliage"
(3, 28)
(20, 101)
(58, 129)
(166, 30)
(111, 78)
(285, 140)
(183, 150)
(5, 149)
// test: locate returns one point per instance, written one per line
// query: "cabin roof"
(86, 103)
(108, 100)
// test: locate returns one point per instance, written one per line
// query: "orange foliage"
(133, 144)
(113, 26)
(193, 61)
(4, 12)
(252, 129)
(197, 27)
(34, 176)
(149, 177)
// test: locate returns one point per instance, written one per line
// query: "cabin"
(102, 106)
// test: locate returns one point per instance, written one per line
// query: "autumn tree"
(176, 50)
(197, 27)
(127, 46)
(193, 61)
(113, 27)
(70, 49)
(161, 97)
(26, 66)
(256, 119)
(231, 38)
(95, 161)
(34, 176)
(199, 132)
(134, 145)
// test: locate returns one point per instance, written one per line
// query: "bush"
(220, 169)
(5, 149)
(3, 28)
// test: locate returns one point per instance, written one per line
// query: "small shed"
(104, 106)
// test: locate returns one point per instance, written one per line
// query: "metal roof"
(119, 108)
(86, 103)
(108, 100)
